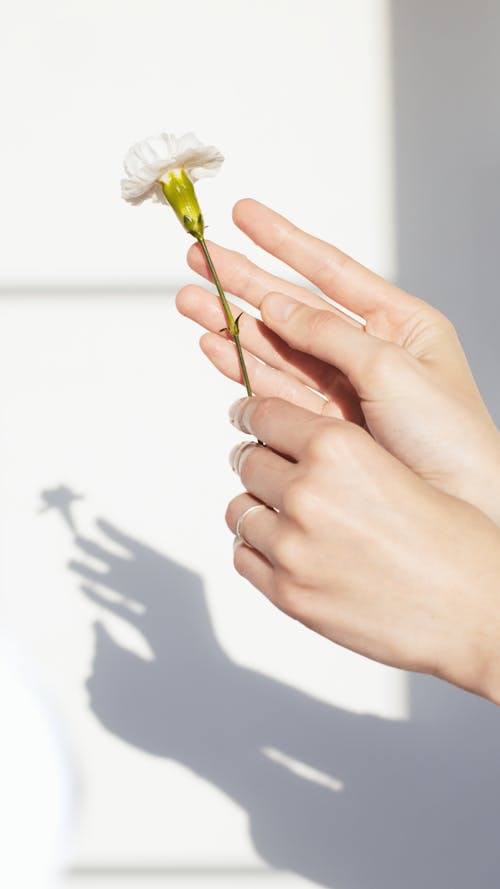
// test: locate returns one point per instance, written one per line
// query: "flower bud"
(179, 192)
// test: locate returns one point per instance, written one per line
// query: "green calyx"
(179, 192)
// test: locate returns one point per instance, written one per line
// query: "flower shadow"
(397, 804)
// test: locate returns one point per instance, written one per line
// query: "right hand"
(404, 377)
(354, 545)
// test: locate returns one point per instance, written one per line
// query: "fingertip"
(242, 208)
(193, 251)
(212, 343)
(195, 258)
(276, 307)
(182, 299)
(187, 298)
(204, 342)
(197, 303)
(239, 207)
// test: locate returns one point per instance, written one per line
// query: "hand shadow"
(419, 802)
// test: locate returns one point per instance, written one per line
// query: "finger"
(264, 473)
(255, 568)
(284, 427)
(258, 527)
(265, 380)
(96, 551)
(89, 573)
(128, 543)
(336, 274)
(123, 611)
(270, 383)
(205, 308)
(244, 278)
(358, 354)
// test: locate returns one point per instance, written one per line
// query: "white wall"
(213, 739)
(294, 94)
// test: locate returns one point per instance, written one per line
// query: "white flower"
(152, 160)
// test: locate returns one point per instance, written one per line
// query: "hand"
(358, 548)
(404, 377)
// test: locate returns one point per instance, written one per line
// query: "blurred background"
(162, 724)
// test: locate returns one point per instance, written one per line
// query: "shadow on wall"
(389, 804)
(446, 69)
(419, 799)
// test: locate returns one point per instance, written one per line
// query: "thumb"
(363, 358)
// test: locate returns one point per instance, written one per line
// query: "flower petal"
(148, 160)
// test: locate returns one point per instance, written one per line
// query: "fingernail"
(235, 412)
(278, 306)
(237, 454)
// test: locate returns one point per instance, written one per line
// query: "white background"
(296, 97)
(209, 738)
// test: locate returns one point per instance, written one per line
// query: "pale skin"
(382, 484)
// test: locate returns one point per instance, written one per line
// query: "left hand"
(357, 547)
(404, 376)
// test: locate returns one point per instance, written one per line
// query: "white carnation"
(151, 160)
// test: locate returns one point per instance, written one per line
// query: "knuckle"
(298, 498)
(289, 598)
(348, 436)
(319, 323)
(283, 231)
(247, 268)
(240, 269)
(427, 323)
(444, 325)
(321, 445)
(383, 364)
(334, 438)
(285, 552)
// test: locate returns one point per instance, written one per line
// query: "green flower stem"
(232, 324)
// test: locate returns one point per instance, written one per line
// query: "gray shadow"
(447, 128)
(419, 804)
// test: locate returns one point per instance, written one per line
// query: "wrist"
(469, 650)
(478, 669)
(487, 680)
(479, 483)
